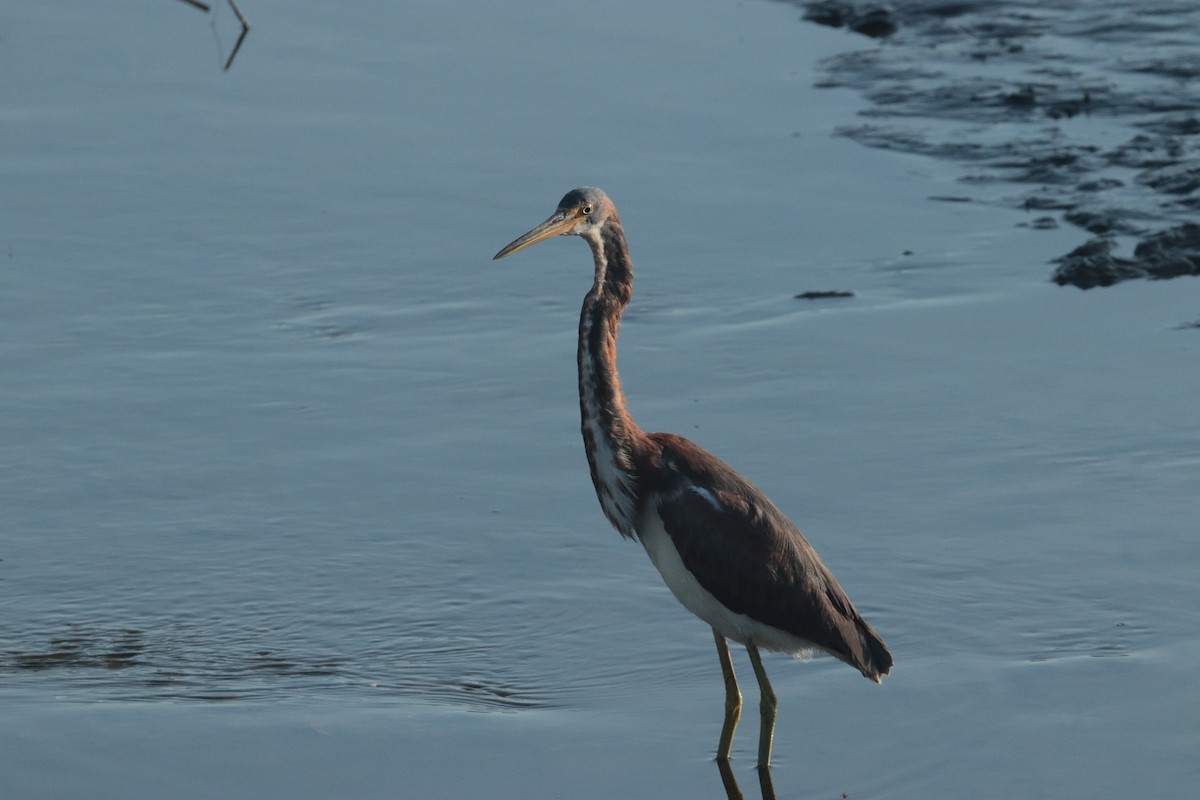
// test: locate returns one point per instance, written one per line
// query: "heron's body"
(722, 547)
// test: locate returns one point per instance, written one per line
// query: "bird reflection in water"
(734, 792)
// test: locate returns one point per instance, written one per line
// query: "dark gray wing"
(751, 558)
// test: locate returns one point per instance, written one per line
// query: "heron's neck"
(610, 436)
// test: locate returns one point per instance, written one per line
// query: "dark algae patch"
(876, 21)
(824, 295)
(1086, 114)
(1166, 254)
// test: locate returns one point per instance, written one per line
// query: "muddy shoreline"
(1083, 115)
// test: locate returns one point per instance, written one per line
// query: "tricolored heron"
(725, 551)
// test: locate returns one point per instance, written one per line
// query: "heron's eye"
(587, 209)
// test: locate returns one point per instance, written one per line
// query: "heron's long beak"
(558, 224)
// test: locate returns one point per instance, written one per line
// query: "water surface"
(294, 502)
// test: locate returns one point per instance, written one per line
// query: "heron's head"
(581, 212)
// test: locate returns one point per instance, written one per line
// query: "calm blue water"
(292, 497)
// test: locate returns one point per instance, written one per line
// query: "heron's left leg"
(766, 705)
(733, 698)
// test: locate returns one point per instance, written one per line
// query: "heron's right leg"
(733, 698)
(767, 706)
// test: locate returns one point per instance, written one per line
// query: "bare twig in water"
(241, 17)
(241, 37)
(236, 46)
(245, 23)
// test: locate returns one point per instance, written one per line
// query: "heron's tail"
(876, 659)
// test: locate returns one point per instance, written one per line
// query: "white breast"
(695, 598)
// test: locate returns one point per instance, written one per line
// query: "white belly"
(695, 598)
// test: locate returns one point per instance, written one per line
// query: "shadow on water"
(181, 664)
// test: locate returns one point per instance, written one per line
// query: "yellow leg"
(767, 705)
(733, 698)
